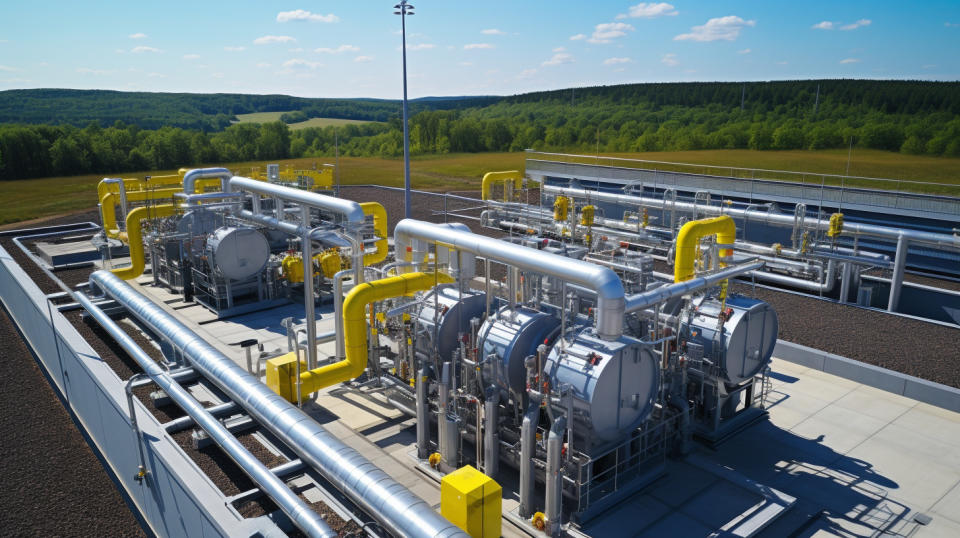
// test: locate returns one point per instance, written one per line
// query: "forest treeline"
(911, 117)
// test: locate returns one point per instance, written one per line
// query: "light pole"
(404, 9)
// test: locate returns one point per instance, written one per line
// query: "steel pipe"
(553, 494)
(899, 266)
(351, 212)
(754, 215)
(649, 298)
(191, 177)
(400, 511)
(299, 513)
(603, 280)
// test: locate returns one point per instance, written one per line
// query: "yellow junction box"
(282, 375)
(471, 500)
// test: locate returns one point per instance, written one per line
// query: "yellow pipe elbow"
(491, 178)
(689, 237)
(356, 330)
(109, 201)
(380, 228)
(135, 240)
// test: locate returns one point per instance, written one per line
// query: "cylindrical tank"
(749, 336)
(446, 312)
(614, 385)
(238, 253)
(199, 222)
(508, 338)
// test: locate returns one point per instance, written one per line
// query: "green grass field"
(266, 117)
(34, 198)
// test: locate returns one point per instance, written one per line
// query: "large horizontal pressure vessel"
(506, 340)
(748, 337)
(238, 253)
(199, 222)
(446, 313)
(614, 385)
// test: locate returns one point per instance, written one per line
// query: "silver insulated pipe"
(400, 511)
(191, 177)
(351, 211)
(417, 234)
(299, 513)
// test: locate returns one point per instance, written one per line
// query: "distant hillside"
(207, 112)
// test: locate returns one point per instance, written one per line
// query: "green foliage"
(173, 130)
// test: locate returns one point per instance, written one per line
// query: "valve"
(539, 521)
(836, 225)
(434, 459)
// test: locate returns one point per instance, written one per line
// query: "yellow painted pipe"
(689, 238)
(490, 178)
(135, 240)
(355, 329)
(131, 185)
(379, 228)
(108, 205)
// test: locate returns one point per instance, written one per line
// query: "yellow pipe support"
(135, 240)
(355, 328)
(689, 239)
(108, 206)
(380, 228)
(500, 177)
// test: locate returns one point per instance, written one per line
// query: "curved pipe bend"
(135, 239)
(191, 177)
(689, 238)
(492, 178)
(355, 327)
(379, 215)
(416, 235)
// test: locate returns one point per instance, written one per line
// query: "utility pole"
(404, 9)
(743, 95)
(816, 102)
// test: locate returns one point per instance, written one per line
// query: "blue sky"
(352, 48)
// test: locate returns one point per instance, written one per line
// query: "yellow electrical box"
(471, 500)
(282, 375)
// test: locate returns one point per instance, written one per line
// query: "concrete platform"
(857, 460)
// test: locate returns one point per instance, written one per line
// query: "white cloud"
(853, 26)
(338, 50)
(421, 46)
(191, 56)
(559, 49)
(141, 49)
(8, 68)
(850, 61)
(465, 64)
(138, 35)
(604, 33)
(363, 59)
(559, 58)
(615, 61)
(156, 75)
(828, 25)
(744, 51)
(650, 10)
(947, 24)
(263, 65)
(216, 75)
(298, 62)
(297, 49)
(473, 46)
(268, 39)
(527, 73)
(670, 59)
(492, 31)
(578, 37)
(234, 49)
(304, 15)
(721, 28)
(89, 71)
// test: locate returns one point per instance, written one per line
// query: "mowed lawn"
(29, 199)
(266, 117)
